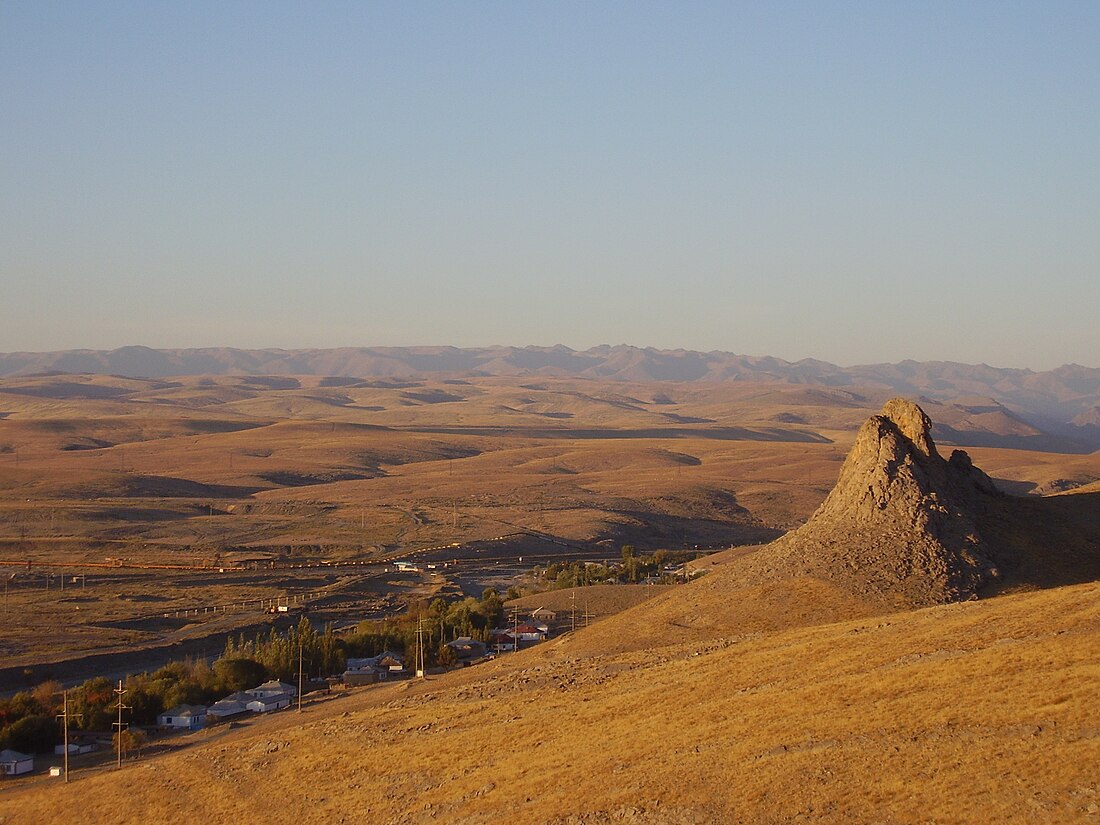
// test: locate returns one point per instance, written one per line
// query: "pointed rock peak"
(912, 422)
(901, 522)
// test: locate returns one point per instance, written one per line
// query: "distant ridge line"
(1058, 395)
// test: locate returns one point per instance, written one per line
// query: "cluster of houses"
(269, 696)
(386, 665)
(505, 639)
(275, 695)
(467, 650)
(14, 763)
(535, 629)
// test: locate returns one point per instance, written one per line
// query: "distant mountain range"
(1064, 400)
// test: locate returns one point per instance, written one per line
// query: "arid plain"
(711, 703)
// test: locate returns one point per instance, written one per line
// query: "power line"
(421, 666)
(64, 717)
(299, 674)
(119, 724)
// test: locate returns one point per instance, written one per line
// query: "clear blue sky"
(855, 182)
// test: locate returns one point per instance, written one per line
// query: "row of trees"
(633, 569)
(279, 655)
(29, 723)
(439, 621)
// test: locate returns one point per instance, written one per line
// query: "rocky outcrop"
(900, 526)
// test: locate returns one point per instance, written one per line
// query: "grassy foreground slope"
(974, 712)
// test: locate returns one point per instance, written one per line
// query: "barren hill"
(902, 528)
(906, 527)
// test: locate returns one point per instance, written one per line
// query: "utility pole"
(299, 675)
(515, 630)
(573, 597)
(119, 724)
(421, 665)
(64, 717)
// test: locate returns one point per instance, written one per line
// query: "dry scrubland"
(226, 471)
(211, 471)
(779, 687)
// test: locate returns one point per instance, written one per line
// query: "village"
(93, 749)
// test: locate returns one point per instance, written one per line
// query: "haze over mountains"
(1065, 400)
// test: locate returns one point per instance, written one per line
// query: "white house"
(75, 748)
(185, 717)
(272, 688)
(528, 632)
(14, 763)
(263, 704)
(231, 705)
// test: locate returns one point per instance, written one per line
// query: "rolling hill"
(1060, 401)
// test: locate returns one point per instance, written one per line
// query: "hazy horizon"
(849, 182)
(605, 345)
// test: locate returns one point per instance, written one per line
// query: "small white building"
(264, 704)
(183, 717)
(231, 705)
(272, 688)
(75, 748)
(14, 763)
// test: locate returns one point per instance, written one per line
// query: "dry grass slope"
(973, 712)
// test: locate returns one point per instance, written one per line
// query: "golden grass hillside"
(974, 712)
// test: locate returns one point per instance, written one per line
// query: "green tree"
(32, 734)
(133, 740)
(445, 657)
(93, 701)
(238, 673)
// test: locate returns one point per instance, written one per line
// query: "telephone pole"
(299, 675)
(119, 724)
(573, 596)
(421, 665)
(64, 717)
